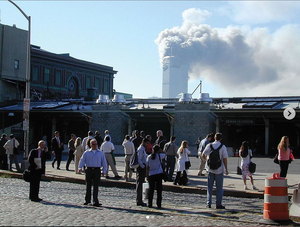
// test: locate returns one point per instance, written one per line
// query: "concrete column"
(171, 127)
(217, 124)
(267, 129)
(129, 127)
(53, 121)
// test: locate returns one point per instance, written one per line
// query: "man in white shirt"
(141, 172)
(216, 175)
(107, 148)
(128, 150)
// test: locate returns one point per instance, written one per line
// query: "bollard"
(295, 207)
(276, 206)
(145, 190)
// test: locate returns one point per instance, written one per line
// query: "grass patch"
(4, 175)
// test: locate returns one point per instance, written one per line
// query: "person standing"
(137, 140)
(154, 175)
(161, 140)
(128, 151)
(201, 148)
(71, 147)
(9, 146)
(84, 144)
(197, 143)
(149, 147)
(57, 146)
(94, 160)
(106, 133)
(216, 175)
(37, 166)
(182, 153)
(78, 153)
(246, 154)
(284, 154)
(141, 172)
(107, 148)
(3, 155)
(99, 139)
(171, 153)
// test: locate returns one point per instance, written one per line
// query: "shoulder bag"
(16, 149)
(164, 174)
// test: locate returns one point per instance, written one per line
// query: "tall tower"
(175, 77)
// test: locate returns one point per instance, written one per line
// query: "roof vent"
(185, 97)
(204, 97)
(103, 99)
(118, 99)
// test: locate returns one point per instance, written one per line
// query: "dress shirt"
(142, 155)
(93, 159)
(107, 147)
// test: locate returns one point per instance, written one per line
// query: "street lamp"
(26, 103)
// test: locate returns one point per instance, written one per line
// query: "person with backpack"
(246, 154)
(216, 156)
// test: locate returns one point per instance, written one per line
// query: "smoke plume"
(241, 60)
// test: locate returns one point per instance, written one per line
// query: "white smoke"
(241, 60)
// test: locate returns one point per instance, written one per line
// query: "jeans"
(218, 178)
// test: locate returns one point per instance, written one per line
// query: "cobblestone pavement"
(62, 206)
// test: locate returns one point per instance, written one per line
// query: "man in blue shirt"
(94, 160)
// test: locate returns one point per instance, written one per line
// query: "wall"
(111, 118)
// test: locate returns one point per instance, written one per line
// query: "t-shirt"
(222, 152)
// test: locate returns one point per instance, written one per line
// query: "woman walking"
(246, 154)
(78, 153)
(154, 174)
(284, 153)
(183, 153)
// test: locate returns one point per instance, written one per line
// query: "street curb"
(123, 184)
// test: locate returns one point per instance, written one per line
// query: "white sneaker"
(245, 187)
(253, 187)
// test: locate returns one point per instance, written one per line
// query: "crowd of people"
(159, 161)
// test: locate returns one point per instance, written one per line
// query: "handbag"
(291, 158)
(164, 174)
(238, 168)
(187, 164)
(16, 149)
(276, 159)
(27, 175)
(252, 167)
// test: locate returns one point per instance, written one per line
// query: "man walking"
(71, 146)
(141, 172)
(217, 164)
(57, 146)
(201, 148)
(94, 160)
(171, 151)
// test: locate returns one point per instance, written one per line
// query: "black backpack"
(214, 161)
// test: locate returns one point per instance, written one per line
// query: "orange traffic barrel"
(276, 200)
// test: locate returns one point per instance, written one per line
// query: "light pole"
(26, 103)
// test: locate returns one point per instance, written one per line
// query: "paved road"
(62, 206)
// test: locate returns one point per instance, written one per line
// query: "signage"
(26, 105)
(239, 121)
(25, 126)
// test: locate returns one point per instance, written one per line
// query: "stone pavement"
(183, 205)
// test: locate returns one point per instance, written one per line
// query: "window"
(88, 82)
(97, 84)
(35, 73)
(16, 64)
(58, 78)
(105, 89)
(47, 76)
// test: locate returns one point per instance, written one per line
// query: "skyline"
(236, 48)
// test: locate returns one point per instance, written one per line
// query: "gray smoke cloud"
(239, 59)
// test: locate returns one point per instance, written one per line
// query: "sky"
(236, 48)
